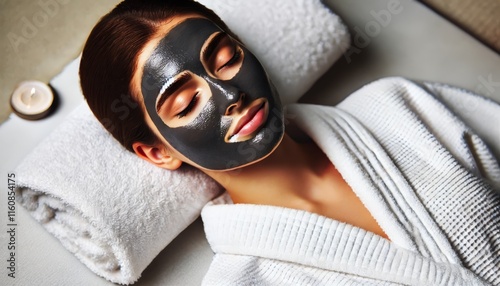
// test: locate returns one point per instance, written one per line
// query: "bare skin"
(296, 175)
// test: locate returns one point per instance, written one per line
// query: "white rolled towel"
(110, 208)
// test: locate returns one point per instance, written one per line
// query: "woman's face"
(209, 97)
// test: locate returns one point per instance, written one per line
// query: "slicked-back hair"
(109, 61)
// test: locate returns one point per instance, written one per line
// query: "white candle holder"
(32, 100)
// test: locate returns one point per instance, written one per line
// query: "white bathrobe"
(422, 160)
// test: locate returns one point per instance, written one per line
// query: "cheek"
(201, 141)
(253, 78)
(155, 129)
(164, 141)
(202, 133)
(206, 122)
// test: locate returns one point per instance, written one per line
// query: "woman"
(371, 214)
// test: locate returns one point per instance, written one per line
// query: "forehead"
(189, 33)
(178, 50)
(153, 43)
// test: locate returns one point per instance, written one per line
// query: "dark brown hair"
(109, 62)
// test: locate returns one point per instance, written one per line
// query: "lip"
(250, 122)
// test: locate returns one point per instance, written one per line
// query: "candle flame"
(31, 96)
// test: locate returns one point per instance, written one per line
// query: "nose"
(235, 107)
(228, 98)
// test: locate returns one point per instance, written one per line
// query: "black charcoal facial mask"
(202, 140)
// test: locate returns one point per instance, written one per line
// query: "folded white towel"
(116, 212)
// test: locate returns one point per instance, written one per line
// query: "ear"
(156, 156)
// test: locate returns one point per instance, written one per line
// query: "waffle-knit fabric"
(449, 165)
(427, 178)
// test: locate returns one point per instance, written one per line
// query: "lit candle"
(32, 100)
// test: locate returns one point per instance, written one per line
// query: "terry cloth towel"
(116, 212)
(425, 176)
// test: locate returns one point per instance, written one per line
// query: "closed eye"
(170, 88)
(189, 107)
(186, 102)
(222, 56)
(236, 56)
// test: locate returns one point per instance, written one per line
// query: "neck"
(290, 170)
(298, 176)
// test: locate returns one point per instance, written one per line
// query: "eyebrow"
(212, 45)
(170, 87)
